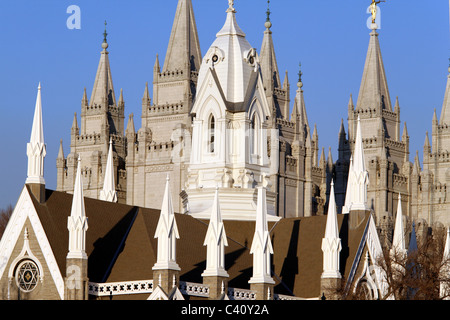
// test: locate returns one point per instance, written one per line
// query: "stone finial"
(105, 42)
(268, 23)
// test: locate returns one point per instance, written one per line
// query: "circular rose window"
(27, 275)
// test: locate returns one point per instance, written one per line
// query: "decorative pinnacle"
(300, 73)
(105, 34)
(449, 65)
(268, 24)
(105, 43)
(231, 6)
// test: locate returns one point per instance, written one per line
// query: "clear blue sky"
(330, 38)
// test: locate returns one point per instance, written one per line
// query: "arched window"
(211, 133)
(254, 135)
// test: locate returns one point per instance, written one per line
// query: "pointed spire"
(416, 166)
(103, 90)
(358, 152)
(84, 100)
(348, 193)
(261, 248)
(286, 80)
(268, 60)
(157, 67)
(322, 159)
(330, 158)
(146, 98)
(183, 52)
(299, 115)
(397, 105)
(77, 221)
(405, 135)
(445, 112)
(130, 131)
(75, 123)
(167, 233)
(342, 128)
(216, 241)
(108, 193)
(351, 106)
(374, 92)
(61, 150)
(399, 242)
(36, 148)
(358, 177)
(331, 243)
(426, 144)
(37, 132)
(121, 101)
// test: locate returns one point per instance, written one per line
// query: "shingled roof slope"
(121, 246)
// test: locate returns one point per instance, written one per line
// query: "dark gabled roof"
(121, 246)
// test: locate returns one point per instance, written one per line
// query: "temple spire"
(103, 90)
(109, 193)
(445, 113)
(299, 115)
(268, 61)
(374, 92)
(183, 52)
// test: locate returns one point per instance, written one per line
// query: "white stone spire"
(36, 148)
(358, 177)
(215, 240)
(331, 243)
(167, 233)
(109, 193)
(77, 222)
(261, 246)
(348, 200)
(398, 242)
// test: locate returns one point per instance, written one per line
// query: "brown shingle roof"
(121, 246)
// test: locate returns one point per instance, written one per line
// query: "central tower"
(230, 124)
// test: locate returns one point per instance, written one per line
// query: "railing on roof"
(187, 288)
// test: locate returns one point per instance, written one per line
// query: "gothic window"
(27, 275)
(211, 134)
(254, 135)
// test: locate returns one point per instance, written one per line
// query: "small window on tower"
(211, 133)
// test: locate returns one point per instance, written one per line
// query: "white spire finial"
(36, 148)
(77, 223)
(108, 193)
(358, 177)
(216, 241)
(231, 5)
(331, 243)
(261, 248)
(398, 242)
(166, 233)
